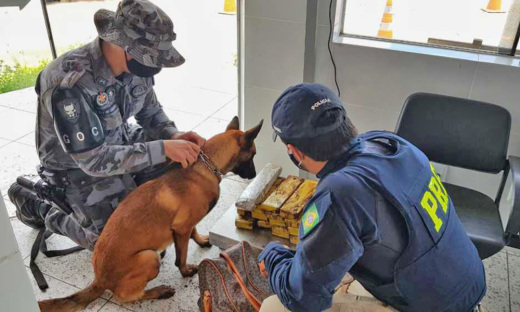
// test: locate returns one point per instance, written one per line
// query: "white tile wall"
(323, 12)
(287, 10)
(514, 144)
(260, 101)
(483, 182)
(498, 84)
(8, 244)
(273, 60)
(384, 79)
(367, 118)
(15, 289)
(274, 52)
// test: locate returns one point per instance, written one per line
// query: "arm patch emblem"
(139, 90)
(69, 109)
(310, 219)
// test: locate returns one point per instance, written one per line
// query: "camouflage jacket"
(114, 101)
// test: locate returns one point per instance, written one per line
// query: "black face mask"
(295, 162)
(141, 70)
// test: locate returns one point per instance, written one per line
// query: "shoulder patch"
(111, 92)
(314, 212)
(139, 90)
(102, 99)
(310, 219)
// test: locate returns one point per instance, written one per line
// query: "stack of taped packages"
(274, 203)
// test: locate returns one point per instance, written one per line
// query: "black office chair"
(472, 135)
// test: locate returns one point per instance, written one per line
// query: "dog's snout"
(251, 174)
(246, 170)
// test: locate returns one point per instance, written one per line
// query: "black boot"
(30, 210)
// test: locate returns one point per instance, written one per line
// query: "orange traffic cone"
(494, 6)
(385, 30)
(230, 7)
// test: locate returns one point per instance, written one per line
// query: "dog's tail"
(76, 302)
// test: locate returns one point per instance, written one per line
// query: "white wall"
(272, 50)
(374, 82)
(16, 293)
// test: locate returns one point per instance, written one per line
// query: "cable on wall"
(331, 30)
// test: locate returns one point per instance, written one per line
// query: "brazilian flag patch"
(310, 219)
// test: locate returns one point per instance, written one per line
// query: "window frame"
(480, 55)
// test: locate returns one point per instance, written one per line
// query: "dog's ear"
(234, 124)
(252, 133)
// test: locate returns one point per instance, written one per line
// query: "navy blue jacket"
(381, 213)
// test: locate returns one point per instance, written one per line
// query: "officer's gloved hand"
(190, 136)
(181, 151)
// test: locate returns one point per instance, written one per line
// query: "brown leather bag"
(233, 282)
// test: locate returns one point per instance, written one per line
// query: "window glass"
(466, 24)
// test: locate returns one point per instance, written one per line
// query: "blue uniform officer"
(380, 213)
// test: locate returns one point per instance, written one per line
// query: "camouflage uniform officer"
(83, 139)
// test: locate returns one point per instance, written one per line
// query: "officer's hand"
(190, 136)
(181, 151)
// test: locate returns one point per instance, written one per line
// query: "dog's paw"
(165, 292)
(204, 241)
(189, 270)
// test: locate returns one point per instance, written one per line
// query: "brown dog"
(155, 215)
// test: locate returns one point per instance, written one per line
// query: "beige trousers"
(350, 296)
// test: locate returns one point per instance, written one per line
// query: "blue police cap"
(311, 117)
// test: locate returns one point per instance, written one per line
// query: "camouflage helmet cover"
(143, 30)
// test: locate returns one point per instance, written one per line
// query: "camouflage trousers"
(93, 200)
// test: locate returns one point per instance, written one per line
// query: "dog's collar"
(207, 162)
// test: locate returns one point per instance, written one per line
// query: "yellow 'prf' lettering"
(439, 190)
(429, 204)
(439, 193)
(438, 178)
